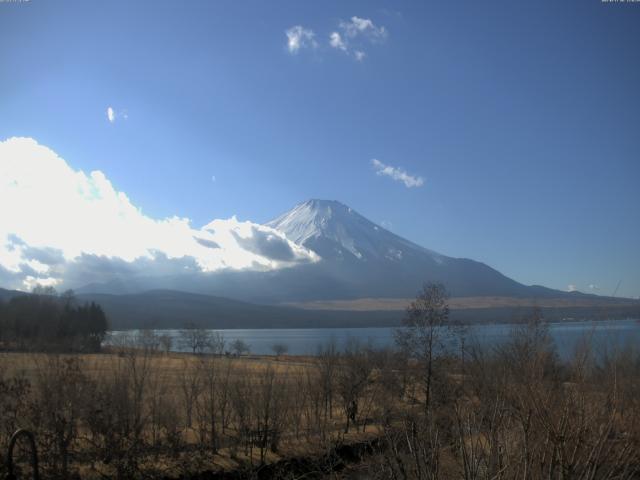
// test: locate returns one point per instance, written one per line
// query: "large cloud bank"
(66, 228)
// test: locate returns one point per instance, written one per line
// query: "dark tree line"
(44, 320)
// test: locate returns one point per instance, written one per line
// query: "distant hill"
(174, 309)
(162, 309)
(5, 294)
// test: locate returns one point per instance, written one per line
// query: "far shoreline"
(524, 321)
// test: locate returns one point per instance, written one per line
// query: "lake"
(606, 335)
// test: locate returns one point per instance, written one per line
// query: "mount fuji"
(362, 275)
(354, 259)
(361, 258)
(337, 232)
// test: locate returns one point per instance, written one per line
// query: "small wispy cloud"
(593, 287)
(398, 174)
(335, 40)
(363, 26)
(299, 37)
(354, 34)
(572, 288)
(112, 115)
(350, 37)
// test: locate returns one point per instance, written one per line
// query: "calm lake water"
(605, 335)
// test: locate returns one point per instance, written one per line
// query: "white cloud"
(299, 37)
(397, 174)
(363, 26)
(593, 286)
(57, 220)
(355, 34)
(572, 288)
(113, 115)
(335, 40)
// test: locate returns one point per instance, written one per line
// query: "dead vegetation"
(139, 412)
(428, 409)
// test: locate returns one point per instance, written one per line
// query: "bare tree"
(327, 364)
(212, 400)
(58, 403)
(216, 343)
(148, 340)
(117, 420)
(197, 340)
(239, 347)
(190, 388)
(14, 405)
(166, 342)
(279, 349)
(271, 408)
(353, 378)
(423, 331)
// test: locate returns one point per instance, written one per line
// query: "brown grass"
(462, 303)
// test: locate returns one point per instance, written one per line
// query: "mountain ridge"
(363, 253)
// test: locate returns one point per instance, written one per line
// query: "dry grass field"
(513, 412)
(186, 413)
(463, 303)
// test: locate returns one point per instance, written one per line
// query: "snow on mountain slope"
(335, 231)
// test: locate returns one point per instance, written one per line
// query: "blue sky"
(521, 119)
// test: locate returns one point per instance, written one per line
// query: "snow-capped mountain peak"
(335, 231)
